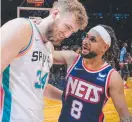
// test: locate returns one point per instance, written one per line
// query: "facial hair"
(50, 33)
(90, 55)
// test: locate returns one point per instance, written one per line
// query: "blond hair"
(75, 7)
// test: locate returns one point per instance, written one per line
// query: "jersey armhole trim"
(72, 65)
(108, 82)
(28, 47)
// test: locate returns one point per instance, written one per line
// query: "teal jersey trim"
(38, 31)
(26, 48)
(7, 95)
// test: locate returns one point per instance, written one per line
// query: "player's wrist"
(126, 119)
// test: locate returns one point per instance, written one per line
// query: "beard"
(90, 55)
(51, 34)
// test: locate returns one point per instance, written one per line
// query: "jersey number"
(39, 84)
(76, 109)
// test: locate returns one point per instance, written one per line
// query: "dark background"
(115, 13)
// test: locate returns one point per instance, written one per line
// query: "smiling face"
(62, 27)
(93, 45)
(66, 16)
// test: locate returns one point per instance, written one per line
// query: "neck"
(94, 63)
(43, 26)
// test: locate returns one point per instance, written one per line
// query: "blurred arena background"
(115, 13)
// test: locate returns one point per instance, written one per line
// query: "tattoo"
(126, 119)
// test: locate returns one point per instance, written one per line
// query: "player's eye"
(67, 27)
(92, 39)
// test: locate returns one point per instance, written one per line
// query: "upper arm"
(117, 94)
(16, 35)
(64, 57)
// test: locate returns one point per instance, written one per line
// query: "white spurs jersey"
(24, 81)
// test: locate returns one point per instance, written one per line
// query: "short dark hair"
(113, 52)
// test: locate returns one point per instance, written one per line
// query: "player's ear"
(105, 48)
(54, 12)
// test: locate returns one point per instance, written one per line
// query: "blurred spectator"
(129, 58)
(129, 61)
(123, 53)
(131, 49)
(123, 63)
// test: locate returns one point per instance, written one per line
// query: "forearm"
(53, 93)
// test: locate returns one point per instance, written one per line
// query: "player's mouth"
(85, 49)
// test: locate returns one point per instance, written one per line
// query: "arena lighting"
(36, 2)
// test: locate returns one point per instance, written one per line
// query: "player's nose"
(68, 34)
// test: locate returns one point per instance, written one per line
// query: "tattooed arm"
(116, 90)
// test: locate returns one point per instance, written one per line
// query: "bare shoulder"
(16, 35)
(115, 79)
(17, 21)
(18, 29)
(19, 26)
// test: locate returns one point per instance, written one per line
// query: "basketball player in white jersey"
(91, 80)
(27, 57)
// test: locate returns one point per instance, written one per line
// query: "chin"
(84, 53)
(55, 43)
